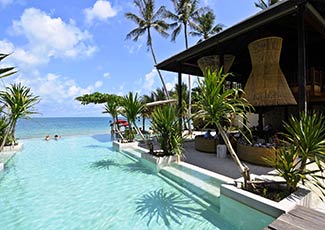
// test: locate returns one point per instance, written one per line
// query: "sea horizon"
(39, 127)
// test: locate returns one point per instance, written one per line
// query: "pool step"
(204, 203)
(201, 188)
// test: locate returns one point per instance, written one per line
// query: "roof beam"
(264, 17)
(316, 14)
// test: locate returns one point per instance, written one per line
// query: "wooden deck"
(299, 218)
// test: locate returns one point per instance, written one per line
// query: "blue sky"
(64, 49)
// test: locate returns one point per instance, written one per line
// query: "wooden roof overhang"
(281, 19)
(300, 23)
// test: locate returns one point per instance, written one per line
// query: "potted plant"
(217, 105)
(165, 122)
(20, 102)
(131, 108)
(303, 146)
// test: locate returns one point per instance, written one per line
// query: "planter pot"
(133, 149)
(119, 146)
(255, 155)
(207, 145)
(301, 197)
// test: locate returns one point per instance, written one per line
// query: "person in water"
(56, 137)
(47, 137)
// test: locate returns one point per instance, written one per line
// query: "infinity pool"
(81, 183)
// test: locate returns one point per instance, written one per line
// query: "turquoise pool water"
(80, 183)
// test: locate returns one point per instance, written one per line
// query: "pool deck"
(227, 167)
(299, 218)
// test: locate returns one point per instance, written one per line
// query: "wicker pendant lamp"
(213, 63)
(266, 85)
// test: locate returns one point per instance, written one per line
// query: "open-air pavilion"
(300, 24)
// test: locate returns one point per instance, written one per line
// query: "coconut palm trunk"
(244, 170)
(149, 18)
(155, 62)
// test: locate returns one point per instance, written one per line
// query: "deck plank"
(299, 218)
(315, 217)
(281, 225)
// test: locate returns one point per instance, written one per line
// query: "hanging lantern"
(266, 85)
(213, 63)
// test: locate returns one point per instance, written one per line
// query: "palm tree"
(148, 18)
(159, 94)
(216, 104)
(20, 103)
(185, 13)
(185, 98)
(263, 5)
(131, 108)
(205, 26)
(112, 107)
(5, 72)
(147, 110)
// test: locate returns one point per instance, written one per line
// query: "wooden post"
(302, 101)
(180, 95)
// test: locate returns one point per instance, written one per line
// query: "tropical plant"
(165, 122)
(216, 105)
(131, 108)
(20, 102)
(5, 72)
(204, 26)
(147, 110)
(96, 98)
(3, 127)
(305, 145)
(185, 99)
(148, 19)
(185, 13)
(113, 107)
(262, 4)
(159, 94)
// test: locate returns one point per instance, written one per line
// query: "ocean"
(65, 126)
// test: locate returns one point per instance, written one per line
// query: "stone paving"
(227, 167)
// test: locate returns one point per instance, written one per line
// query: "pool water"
(81, 183)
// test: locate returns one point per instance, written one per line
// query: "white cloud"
(20, 55)
(150, 80)
(5, 2)
(134, 48)
(54, 88)
(50, 37)
(101, 10)
(52, 77)
(98, 84)
(170, 85)
(107, 75)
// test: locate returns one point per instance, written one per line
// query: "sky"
(64, 49)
